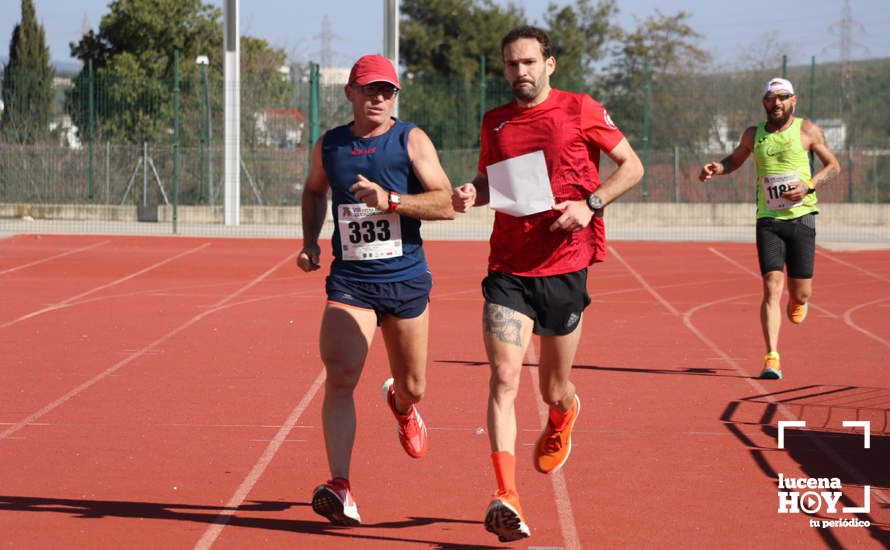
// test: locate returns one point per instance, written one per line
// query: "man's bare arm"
(628, 174)
(814, 140)
(314, 207)
(732, 161)
(435, 202)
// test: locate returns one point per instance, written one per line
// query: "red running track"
(165, 392)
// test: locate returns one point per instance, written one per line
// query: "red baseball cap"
(373, 68)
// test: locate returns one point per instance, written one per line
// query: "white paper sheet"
(520, 186)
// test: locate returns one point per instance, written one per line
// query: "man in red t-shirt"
(537, 267)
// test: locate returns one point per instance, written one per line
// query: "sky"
(732, 30)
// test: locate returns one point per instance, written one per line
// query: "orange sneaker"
(555, 445)
(504, 517)
(413, 434)
(772, 369)
(797, 312)
(333, 500)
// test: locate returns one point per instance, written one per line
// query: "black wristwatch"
(595, 203)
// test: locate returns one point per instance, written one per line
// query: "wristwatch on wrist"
(595, 203)
(811, 188)
(395, 200)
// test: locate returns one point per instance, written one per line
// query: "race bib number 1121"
(773, 187)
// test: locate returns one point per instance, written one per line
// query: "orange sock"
(504, 470)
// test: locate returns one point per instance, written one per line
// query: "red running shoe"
(413, 434)
(334, 501)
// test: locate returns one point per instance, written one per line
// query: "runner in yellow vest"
(786, 207)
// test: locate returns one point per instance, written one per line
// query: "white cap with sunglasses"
(778, 85)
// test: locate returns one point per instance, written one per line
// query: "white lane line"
(68, 301)
(848, 318)
(129, 359)
(852, 266)
(848, 468)
(213, 532)
(760, 278)
(54, 257)
(560, 487)
(848, 315)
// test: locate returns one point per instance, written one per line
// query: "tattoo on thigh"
(503, 323)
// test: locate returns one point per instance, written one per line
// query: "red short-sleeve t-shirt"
(571, 129)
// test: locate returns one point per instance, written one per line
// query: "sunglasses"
(783, 97)
(373, 90)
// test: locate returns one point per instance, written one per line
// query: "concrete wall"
(620, 214)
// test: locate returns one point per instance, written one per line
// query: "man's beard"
(526, 93)
(779, 121)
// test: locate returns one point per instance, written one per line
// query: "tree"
(664, 46)
(578, 37)
(132, 61)
(27, 81)
(267, 86)
(445, 38)
(132, 57)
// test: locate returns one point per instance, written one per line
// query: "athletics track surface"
(166, 393)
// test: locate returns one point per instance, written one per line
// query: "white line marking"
(849, 469)
(68, 301)
(50, 258)
(759, 277)
(212, 532)
(558, 480)
(853, 266)
(126, 361)
(848, 317)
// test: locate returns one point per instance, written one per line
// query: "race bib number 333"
(773, 187)
(367, 233)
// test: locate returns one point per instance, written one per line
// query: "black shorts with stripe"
(555, 303)
(791, 242)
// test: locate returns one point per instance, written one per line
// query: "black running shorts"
(554, 303)
(791, 242)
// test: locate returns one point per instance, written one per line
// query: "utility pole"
(845, 28)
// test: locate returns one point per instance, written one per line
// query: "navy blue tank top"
(384, 160)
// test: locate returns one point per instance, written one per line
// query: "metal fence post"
(482, 86)
(645, 128)
(175, 137)
(314, 117)
(203, 131)
(812, 87)
(90, 120)
(676, 174)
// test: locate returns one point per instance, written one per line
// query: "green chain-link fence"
(108, 153)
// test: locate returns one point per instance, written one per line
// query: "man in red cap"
(385, 177)
(786, 207)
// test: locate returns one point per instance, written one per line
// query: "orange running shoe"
(555, 445)
(333, 500)
(504, 517)
(413, 433)
(772, 369)
(797, 312)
